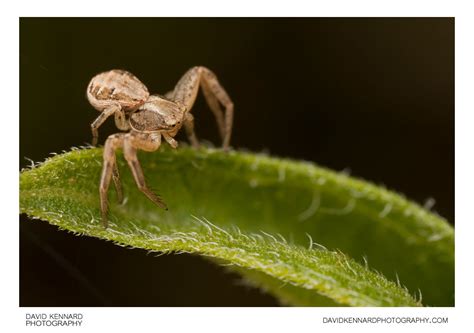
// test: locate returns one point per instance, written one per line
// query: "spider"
(149, 117)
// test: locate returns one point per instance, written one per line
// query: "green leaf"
(305, 234)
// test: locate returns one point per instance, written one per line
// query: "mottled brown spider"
(149, 117)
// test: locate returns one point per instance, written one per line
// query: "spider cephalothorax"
(148, 118)
(158, 114)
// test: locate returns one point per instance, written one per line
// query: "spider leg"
(117, 183)
(189, 126)
(147, 142)
(100, 120)
(113, 142)
(186, 91)
(212, 87)
(172, 142)
(121, 121)
(169, 94)
(215, 107)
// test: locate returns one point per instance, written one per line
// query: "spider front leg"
(117, 183)
(148, 142)
(106, 113)
(186, 91)
(110, 170)
(130, 142)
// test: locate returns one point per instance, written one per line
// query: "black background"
(371, 95)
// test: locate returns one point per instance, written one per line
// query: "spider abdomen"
(117, 87)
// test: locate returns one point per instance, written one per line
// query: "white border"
(237, 319)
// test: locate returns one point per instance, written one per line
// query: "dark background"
(373, 96)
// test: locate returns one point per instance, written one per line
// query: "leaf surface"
(307, 235)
